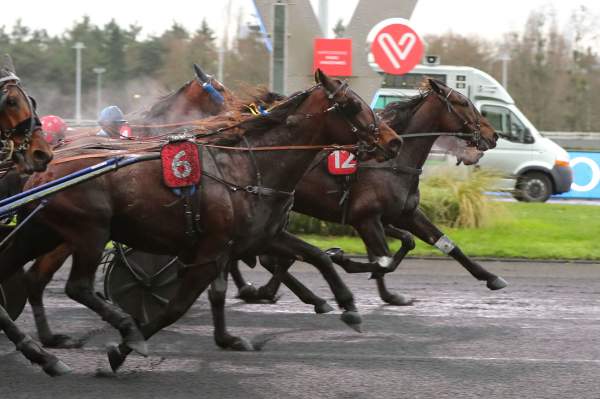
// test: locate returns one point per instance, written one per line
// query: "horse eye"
(11, 102)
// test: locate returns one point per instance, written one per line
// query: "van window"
(382, 101)
(507, 124)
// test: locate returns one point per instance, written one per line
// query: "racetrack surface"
(538, 338)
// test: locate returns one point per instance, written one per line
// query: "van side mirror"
(527, 137)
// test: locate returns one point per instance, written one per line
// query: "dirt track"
(536, 339)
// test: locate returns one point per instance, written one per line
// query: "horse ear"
(436, 86)
(322, 78)
(200, 73)
(317, 75)
(8, 64)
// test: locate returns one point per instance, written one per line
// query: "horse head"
(21, 138)
(355, 120)
(463, 117)
(207, 93)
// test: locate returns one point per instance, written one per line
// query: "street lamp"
(99, 71)
(78, 47)
(504, 57)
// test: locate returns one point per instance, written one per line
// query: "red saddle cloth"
(341, 162)
(181, 164)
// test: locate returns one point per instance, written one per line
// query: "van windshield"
(382, 101)
(507, 124)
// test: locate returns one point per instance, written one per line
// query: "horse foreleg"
(37, 277)
(80, 287)
(287, 245)
(28, 244)
(381, 261)
(408, 244)
(246, 290)
(418, 224)
(278, 268)
(194, 280)
(30, 349)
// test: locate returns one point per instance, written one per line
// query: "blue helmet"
(111, 115)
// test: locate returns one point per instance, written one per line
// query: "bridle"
(475, 126)
(24, 128)
(371, 130)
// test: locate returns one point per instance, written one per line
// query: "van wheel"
(533, 187)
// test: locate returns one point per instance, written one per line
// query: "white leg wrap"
(445, 244)
(384, 261)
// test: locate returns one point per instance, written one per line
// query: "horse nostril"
(42, 157)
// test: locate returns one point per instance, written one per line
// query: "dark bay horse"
(241, 214)
(198, 98)
(384, 197)
(22, 143)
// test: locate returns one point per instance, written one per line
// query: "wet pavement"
(538, 338)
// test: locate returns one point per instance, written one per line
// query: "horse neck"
(415, 151)
(283, 169)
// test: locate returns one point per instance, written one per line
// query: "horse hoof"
(352, 319)
(115, 357)
(140, 347)
(323, 307)
(242, 345)
(398, 300)
(61, 341)
(57, 368)
(497, 284)
(336, 254)
(247, 292)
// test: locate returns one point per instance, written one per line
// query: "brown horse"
(243, 212)
(198, 98)
(384, 197)
(23, 144)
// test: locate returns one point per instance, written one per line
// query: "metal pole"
(221, 62)
(324, 16)
(505, 57)
(99, 71)
(78, 47)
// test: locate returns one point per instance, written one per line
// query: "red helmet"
(54, 128)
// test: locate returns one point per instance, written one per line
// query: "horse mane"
(162, 105)
(241, 124)
(257, 95)
(398, 113)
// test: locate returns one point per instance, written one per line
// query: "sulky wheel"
(13, 295)
(142, 284)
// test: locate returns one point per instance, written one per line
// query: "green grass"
(535, 231)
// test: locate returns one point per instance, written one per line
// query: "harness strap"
(249, 189)
(397, 169)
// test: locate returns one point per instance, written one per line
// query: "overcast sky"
(487, 18)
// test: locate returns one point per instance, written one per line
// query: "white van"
(536, 167)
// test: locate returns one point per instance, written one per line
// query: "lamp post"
(99, 71)
(78, 47)
(504, 57)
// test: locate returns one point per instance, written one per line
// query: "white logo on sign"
(178, 163)
(393, 50)
(595, 174)
(347, 164)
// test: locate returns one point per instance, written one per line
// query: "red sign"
(395, 46)
(181, 164)
(341, 162)
(333, 56)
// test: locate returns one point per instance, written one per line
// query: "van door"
(515, 144)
